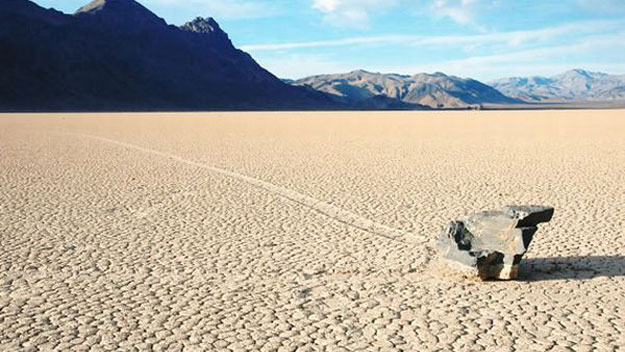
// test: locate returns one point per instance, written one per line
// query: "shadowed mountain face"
(117, 55)
(430, 90)
(574, 85)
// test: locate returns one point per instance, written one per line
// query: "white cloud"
(603, 6)
(326, 5)
(461, 11)
(351, 13)
(546, 60)
(296, 66)
(510, 39)
(542, 57)
(325, 43)
(358, 13)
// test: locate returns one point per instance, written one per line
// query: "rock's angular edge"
(530, 215)
(491, 244)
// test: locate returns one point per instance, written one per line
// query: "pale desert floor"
(304, 231)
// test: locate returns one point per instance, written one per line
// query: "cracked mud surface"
(304, 231)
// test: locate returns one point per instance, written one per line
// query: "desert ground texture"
(305, 231)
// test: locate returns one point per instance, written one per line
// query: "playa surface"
(304, 231)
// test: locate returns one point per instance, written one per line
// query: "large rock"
(491, 244)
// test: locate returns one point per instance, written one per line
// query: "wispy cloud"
(613, 42)
(358, 13)
(603, 6)
(461, 11)
(351, 13)
(534, 52)
(513, 38)
(536, 61)
(300, 65)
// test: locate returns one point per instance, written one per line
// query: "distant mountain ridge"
(117, 55)
(570, 86)
(421, 90)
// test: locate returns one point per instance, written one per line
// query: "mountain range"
(116, 55)
(571, 86)
(422, 90)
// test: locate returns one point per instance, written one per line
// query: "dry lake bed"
(304, 231)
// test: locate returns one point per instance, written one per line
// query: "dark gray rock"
(491, 244)
(529, 215)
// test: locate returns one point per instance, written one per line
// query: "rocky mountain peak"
(361, 72)
(112, 5)
(580, 72)
(202, 25)
(433, 90)
(119, 12)
(572, 85)
(210, 30)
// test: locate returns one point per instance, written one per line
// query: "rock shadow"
(571, 268)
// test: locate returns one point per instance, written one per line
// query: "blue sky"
(482, 39)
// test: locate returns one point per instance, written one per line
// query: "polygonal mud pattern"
(114, 248)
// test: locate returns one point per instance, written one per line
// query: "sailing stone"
(491, 244)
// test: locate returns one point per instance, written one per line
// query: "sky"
(481, 39)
